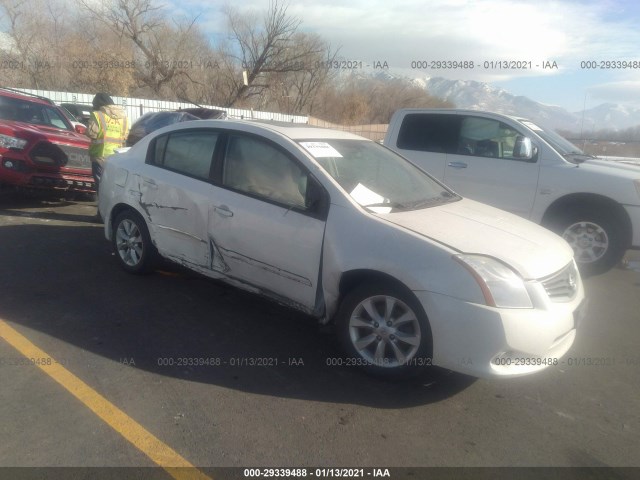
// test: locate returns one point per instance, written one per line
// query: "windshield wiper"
(443, 198)
(392, 205)
(580, 154)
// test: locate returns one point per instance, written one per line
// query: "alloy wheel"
(589, 241)
(129, 242)
(385, 331)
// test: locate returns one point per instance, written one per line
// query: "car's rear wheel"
(384, 329)
(132, 243)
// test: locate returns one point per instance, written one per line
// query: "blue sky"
(401, 31)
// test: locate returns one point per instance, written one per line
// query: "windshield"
(559, 144)
(31, 112)
(376, 177)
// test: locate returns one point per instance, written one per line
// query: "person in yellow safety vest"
(108, 129)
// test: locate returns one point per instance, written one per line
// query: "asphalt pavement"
(223, 378)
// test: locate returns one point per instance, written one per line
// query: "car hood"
(473, 227)
(29, 131)
(619, 165)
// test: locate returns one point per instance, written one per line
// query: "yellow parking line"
(160, 453)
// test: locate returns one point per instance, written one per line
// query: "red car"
(39, 146)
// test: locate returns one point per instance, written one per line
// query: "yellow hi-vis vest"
(110, 135)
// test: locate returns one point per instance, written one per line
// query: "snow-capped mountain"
(611, 116)
(482, 96)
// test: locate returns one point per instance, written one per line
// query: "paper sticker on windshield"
(320, 149)
(532, 126)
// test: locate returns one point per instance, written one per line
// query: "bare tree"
(296, 91)
(162, 49)
(90, 67)
(358, 99)
(263, 50)
(32, 38)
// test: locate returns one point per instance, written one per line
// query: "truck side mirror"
(523, 149)
(81, 129)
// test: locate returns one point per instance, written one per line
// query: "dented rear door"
(175, 190)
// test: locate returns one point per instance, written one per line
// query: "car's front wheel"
(596, 237)
(132, 243)
(384, 329)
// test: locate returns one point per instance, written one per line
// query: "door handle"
(151, 183)
(224, 211)
(457, 164)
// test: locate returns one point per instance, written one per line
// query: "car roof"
(294, 131)
(459, 111)
(9, 92)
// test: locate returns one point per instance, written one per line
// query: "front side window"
(187, 152)
(484, 137)
(259, 168)
(56, 119)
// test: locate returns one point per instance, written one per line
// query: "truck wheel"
(384, 330)
(132, 243)
(597, 239)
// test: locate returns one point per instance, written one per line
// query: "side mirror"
(523, 149)
(316, 199)
(81, 129)
(314, 194)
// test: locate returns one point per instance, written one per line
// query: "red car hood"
(31, 132)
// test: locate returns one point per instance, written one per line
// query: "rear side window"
(186, 152)
(429, 132)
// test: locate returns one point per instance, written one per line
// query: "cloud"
(627, 91)
(567, 32)
(492, 28)
(478, 30)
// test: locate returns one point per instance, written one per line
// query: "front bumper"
(49, 180)
(634, 216)
(75, 183)
(498, 342)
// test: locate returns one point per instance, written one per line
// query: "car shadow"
(48, 216)
(65, 281)
(43, 205)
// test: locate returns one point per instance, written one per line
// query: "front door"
(262, 230)
(483, 167)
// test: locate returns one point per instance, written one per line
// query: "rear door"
(425, 139)
(175, 190)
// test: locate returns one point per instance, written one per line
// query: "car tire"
(368, 328)
(597, 238)
(132, 243)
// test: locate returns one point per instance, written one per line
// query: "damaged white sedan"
(350, 232)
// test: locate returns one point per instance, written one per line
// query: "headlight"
(12, 142)
(501, 286)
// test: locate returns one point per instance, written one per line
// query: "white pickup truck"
(518, 166)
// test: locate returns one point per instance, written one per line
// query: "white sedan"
(349, 232)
